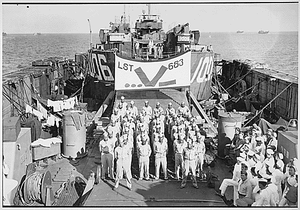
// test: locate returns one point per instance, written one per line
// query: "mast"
(149, 8)
(91, 43)
(124, 14)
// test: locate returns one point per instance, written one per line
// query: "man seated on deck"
(273, 142)
(260, 149)
(290, 180)
(244, 191)
(262, 197)
(233, 181)
(256, 133)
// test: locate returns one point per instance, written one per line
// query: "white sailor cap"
(240, 159)
(270, 151)
(258, 166)
(280, 164)
(267, 176)
(250, 153)
(292, 181)
(280, 155)
(132, 102)
(263, 180)
(246, 164)
(257, 156)
(271, 169)
(243, 155)
(259, 138)
(122, 97)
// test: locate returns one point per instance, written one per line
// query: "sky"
(206, 17)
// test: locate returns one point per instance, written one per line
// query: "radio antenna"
(91, 42)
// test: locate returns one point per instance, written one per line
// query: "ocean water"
(277, 49)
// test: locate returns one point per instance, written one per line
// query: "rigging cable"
(268, 103)
(250, 71)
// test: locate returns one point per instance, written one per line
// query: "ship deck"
(143, 193)
(153, 192)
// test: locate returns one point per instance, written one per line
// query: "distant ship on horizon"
(240, 32)
(35, 34)
(4, 34)
(263, 32)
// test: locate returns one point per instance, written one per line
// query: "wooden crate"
(40, 152)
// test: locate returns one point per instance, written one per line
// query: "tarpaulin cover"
(265, 125)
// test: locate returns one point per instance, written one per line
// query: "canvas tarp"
(281, 123)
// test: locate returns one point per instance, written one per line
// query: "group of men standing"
(260, 177)
(145, 133)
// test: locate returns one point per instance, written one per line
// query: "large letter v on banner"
(144, 79)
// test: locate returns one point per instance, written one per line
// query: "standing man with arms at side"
(189, 157)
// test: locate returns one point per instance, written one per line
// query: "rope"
(23, 91)
(21, 99)
(244, 92)
(268, 104)
(13, 102)
(33, 189)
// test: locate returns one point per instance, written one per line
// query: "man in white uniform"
(144, 152)
(189, 157)
(160, 152)
(179, 145)
(122, 153)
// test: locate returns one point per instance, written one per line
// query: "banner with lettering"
(202, 64)
(133, 75)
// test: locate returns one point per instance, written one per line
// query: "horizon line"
(29, 33)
